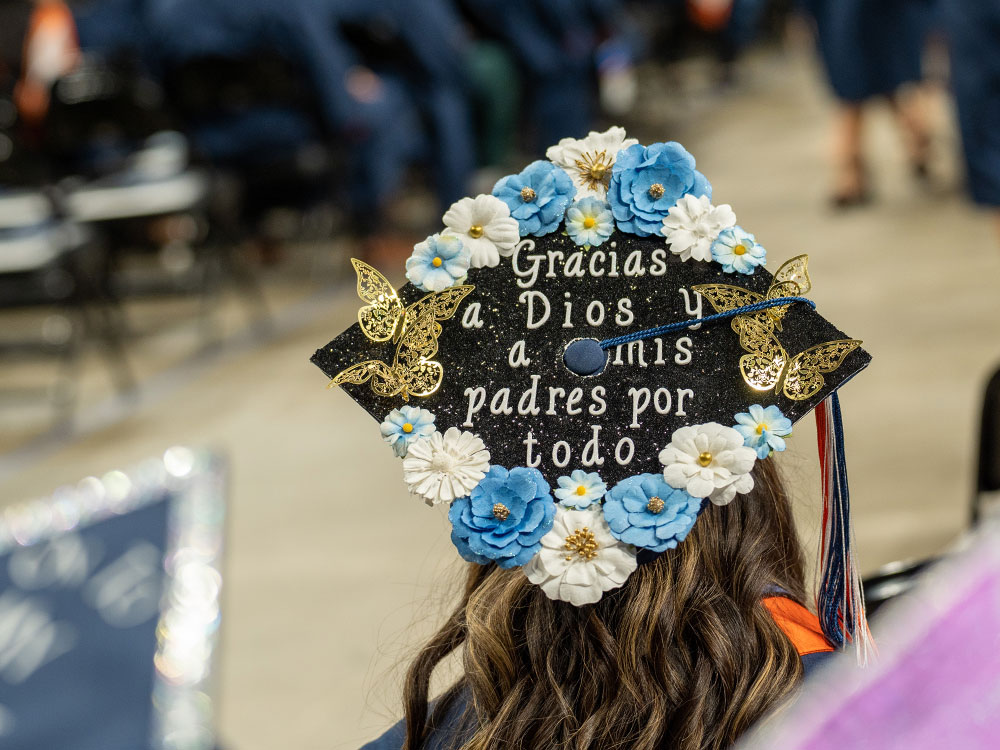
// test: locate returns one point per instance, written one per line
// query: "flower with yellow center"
(589, 222)
(580, 489)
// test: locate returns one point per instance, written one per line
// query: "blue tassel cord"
(840, 601)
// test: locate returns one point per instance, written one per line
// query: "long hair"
(684, 656)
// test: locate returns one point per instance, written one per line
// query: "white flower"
(588, 161)
(692, 224)
(579, 559)
(708, 460)
(443, 467)
(580, 489)
(485, 227)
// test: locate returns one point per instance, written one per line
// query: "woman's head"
(683, 655)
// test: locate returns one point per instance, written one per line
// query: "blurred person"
(869, 50)
(974, 34)
(50, 50)
(554, 43)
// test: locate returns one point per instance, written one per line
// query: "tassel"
(840, 600)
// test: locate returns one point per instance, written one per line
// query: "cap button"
(585, 357)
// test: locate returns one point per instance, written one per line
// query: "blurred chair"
(986, 503)
(48, 263)
(899, 577)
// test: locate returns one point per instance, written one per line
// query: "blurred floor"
(330, 563)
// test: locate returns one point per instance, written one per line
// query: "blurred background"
(183, 183)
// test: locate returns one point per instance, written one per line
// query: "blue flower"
(438, 262)
(589, 221)
(503, 518)
(580, 489)
(763, 429)
(404, 425)
(646, 181)
(737, 250)
(537, 197)
(647, 512)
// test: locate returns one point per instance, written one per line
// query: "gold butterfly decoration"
(414, 329)
(766, 364)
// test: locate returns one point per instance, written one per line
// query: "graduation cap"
(586, 358)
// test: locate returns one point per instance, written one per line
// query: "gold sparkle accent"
(655, 505)
(527, 194)
(583, 543)
(500, 511)
(656, 191)
(594, 168)
(407, 427)
(476, 231)
(705, 458)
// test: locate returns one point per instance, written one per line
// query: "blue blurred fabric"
(98, 694)
(870, 47)
(973, 28)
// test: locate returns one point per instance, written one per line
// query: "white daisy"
(580, 559)
(485, 227)
(588, 161)
(708, 460)
(693, 224)
(445, 466)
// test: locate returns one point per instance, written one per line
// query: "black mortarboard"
(518, 337)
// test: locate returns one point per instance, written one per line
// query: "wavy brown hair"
(683, 656)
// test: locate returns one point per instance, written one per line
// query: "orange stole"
(799, 624)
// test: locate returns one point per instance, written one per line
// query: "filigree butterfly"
(766, 364)
(414, 329)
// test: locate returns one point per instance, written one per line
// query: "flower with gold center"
(708, 460)
(579, 558)
(763, 429)
(647, 512)
(537, 197)
(486, 228)
(580, 489)
(588, 161)
(503, 518)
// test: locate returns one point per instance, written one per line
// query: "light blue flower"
(537, 197)
(646, 181)
(580, 489)
(438, 262)
(504, 518)
(589, 221)
(404, 425)
(763, 429)
(646, 512)
(737, 250)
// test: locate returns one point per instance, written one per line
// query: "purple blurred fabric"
(936, 684)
